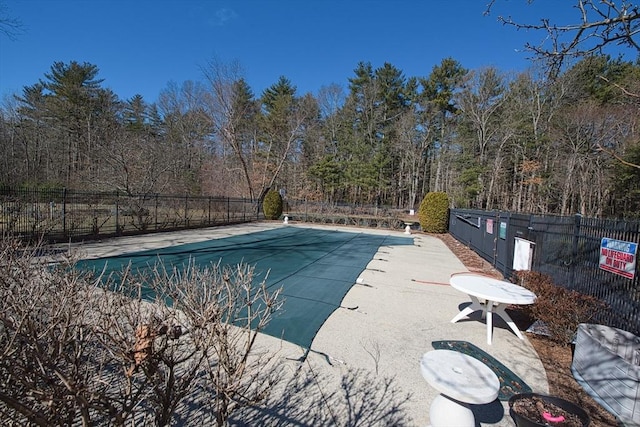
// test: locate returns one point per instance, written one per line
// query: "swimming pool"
(314, 267)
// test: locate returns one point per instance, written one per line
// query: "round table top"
(460, 377)
(492, 289)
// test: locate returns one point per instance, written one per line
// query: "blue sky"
(140, 46)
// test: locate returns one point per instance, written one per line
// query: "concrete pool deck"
(403, 304)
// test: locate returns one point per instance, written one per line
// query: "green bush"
(272, 205)
(559, 308)
(434, 213)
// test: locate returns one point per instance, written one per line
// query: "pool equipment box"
(606, 363)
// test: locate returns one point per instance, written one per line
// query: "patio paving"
(401, 306)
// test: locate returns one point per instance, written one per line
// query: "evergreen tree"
(438, 114)
(72, 99)
(241, 130)
(281, 126)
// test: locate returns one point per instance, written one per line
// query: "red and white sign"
(619, 257)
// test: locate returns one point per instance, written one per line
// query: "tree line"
(520, 142)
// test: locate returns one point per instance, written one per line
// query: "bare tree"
(531, 103)
(632, 94)
(283, 126)
(196, 339)
(599, 24)
(482, 104)
(413, 144)
(232, 110)
(580, 171)
(10, 27)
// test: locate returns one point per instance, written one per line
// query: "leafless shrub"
(128, 347)
(374, 352)
(45, 340)
(175, 346)
(560, 309)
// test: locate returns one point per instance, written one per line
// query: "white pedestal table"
(497, 294)
(461, 380)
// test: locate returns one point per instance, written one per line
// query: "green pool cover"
(315, 268)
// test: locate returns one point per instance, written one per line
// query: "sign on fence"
(522, 254)
(489, 226)
(619, 257)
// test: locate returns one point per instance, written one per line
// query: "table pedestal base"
(488, 309)
(446, 412)
(407, 228)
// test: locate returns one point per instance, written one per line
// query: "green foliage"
(441, 84)
(278, 97)
(328, 172)
(600, 78)
(272, 205)
(434, 213)
(627, 185)
(493, 141)
(368, 147)
(469, 180)
(560, 309)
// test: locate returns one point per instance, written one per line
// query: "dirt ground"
(555, 358)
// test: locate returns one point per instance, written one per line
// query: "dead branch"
(598, 25)
(615, 156)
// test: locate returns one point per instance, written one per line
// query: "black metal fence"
(370, 216)
(568, 249)
(62, 215)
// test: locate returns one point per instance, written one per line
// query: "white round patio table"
(461, 380)
(498, 294)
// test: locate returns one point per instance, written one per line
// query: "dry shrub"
(173, 346)
(559, 308)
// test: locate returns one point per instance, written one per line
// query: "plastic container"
(522, 421)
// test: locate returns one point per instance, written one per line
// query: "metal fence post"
(118, 231)
(155, 220)
(64, 212)
(574, 250)
(186, 206)
(496, 232)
